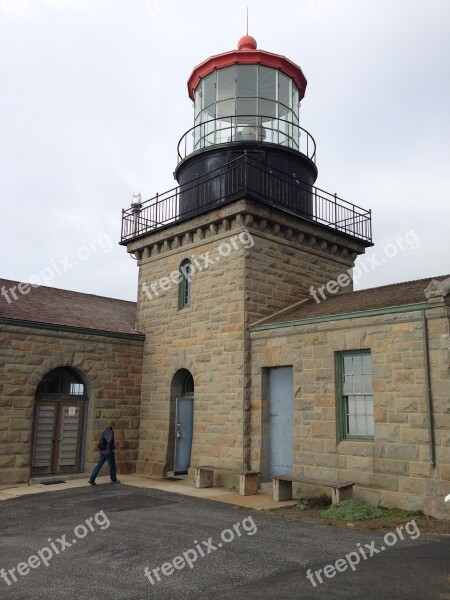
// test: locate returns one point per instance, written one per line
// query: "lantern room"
(246, 100)
(254, 98)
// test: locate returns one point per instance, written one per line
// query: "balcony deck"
(246, 177)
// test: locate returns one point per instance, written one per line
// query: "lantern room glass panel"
(226, 83)
(246, 103)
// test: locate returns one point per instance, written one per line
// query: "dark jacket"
(108, 434)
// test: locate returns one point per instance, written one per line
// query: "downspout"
(428, 397)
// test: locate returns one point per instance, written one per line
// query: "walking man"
(106, 455)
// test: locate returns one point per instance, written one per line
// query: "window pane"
(284, 112)
(295, 98)
(209, 90)
(246, 106)
(357, 365)
(348, 364)
(284, 90)
(366, 363)
(226, 108)
(267, 108)
(348, 384)
(351, 429)
(198, 101)
(358, 384)
(185, 284)
(351, 405)
(360, 425)
(224, 132)
(226, 83)
(267, 83)
(76, 389)
(360, 405)
(246, 80)
(367, 383)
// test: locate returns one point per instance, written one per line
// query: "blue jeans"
(101, 461)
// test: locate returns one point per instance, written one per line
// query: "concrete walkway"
(262, 501)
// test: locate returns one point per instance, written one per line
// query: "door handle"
(178, 430)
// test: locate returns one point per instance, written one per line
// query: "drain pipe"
(426, 358)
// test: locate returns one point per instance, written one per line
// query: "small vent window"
(185, 290)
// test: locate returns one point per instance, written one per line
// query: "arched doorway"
(59, 423)
(181, 422)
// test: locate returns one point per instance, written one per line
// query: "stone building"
(68, 363)
(247, 348)
(394, 442)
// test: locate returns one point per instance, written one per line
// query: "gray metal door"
(184, 420)
(281, 421)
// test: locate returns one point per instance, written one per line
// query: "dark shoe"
(116, 481)
(91, 482)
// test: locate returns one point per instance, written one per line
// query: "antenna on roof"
(247, 20)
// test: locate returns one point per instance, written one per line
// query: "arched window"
(62, 381)
(187, 386)
(185, 287)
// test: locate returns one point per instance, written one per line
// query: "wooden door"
(57, 437)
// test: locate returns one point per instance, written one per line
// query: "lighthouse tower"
(244, 234)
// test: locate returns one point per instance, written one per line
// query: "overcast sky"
(93, 100)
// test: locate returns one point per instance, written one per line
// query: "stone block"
(414, 436)
(403, 451)
(391, 467)
(408, 406)
(412, 485)
(387, 432)
(322, 429)
(359, 463)
(420, 469)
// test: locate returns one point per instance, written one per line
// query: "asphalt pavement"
(121, 542)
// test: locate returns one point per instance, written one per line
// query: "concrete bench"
(248, 480)
(282, 487)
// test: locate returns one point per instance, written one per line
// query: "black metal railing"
(247, 128)
(246, 177)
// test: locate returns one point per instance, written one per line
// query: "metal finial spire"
(247, 20)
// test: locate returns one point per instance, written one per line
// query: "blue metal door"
(281, 421)
(184, 420)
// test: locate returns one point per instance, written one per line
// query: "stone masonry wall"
(111, 370)
(289, 256)
(206, 338)
(394, 468)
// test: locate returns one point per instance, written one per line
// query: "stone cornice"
(260, 220)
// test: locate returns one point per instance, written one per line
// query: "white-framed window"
(355, 399)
